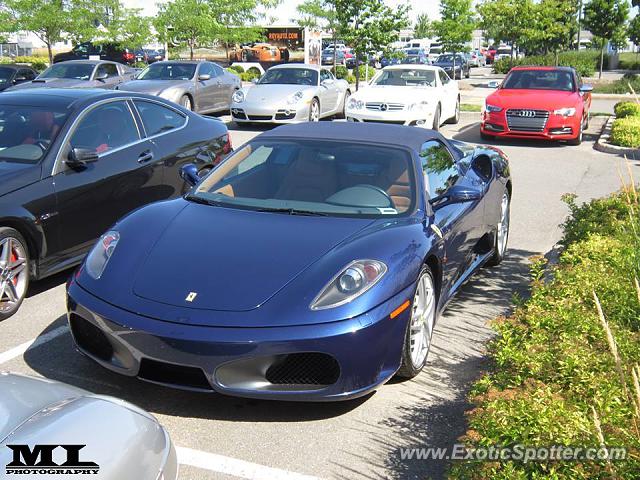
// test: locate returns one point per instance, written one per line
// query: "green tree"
(423, 27)
(554, 26)
(128, 28)
(54, 20)
(455, 27)
(189, 23)
(508, 21)
(633, 32)
(605, 18)
(369, 25)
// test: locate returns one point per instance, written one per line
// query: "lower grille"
(304, 369)
(260, 117)
(392, 122)
(522, 120)
(238, 113)
(285, 115)
(90, 338)
(178, 375)
(384, 107)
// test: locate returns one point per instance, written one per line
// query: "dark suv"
(104, 51)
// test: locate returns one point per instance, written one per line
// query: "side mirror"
(493, 84)
(102, 76)
(456, 195)
(204, 77)
(586, 88)
(189, 173)
(79, 157)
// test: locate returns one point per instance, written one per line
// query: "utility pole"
(579, 24)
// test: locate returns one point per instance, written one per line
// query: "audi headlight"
(355, 104)
(418, 105)
(101, 253)
(295, 98)
(238, 96)
(492, 108)
(565, 112)
(355, 279)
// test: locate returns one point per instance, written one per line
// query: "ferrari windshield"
(539, 80)
(406, 77)
(168, 71)
(74, 71)
(27, 131)
(290, 76)
(312, 177)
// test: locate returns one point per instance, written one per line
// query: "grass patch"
(565, 362)
(470, 107)
(627, 84)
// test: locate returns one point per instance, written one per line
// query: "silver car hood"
(125, 441)
(153, 87)
(53, 83)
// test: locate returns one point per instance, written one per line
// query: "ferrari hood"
(527, 98)
(224, 259)
(151, 87)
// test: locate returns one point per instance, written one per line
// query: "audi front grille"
(384, 107)
(524, 120)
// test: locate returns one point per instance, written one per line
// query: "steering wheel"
(382, 191)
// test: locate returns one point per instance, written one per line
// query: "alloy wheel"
(422, 320)
(503, 226)
(186, 102)
(314, 112)
(13, 273)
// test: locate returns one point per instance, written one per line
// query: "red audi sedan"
(538, 102)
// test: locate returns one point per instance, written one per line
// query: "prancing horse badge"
(191, 297)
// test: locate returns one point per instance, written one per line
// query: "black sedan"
(73, 161)
(11, 75)
(456, 62)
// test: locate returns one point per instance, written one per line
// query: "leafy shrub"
(37, 63)
(625, 132)
(351, 79)
(236, 69)
(627, 109)
(585, 62)
(249, 76)
(628, 83)
(254, 71)
(340, 71)
(363, 72)
(552, 359)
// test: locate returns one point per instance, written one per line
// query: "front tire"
(14, 271)
(456, 116)
(578, 140)
(502, 231)
(417, 340)
(343, 114)
(314, 111)
(436, 119)
(185, 101)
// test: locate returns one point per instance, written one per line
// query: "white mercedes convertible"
(418, 95)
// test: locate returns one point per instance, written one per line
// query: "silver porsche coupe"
(203, 87)
(291, 93)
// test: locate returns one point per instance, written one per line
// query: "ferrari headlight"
(418, 105)
(295, 98)
(355, 104)
(492, 108)
(565, 112)
(101, 253)
(238, 96)
(355, 279)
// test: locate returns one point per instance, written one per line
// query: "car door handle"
(145, 156)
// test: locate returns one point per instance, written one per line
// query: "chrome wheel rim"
(186, 103)
(13, 273)
(503, 226)
(315, 112)
(422, 318)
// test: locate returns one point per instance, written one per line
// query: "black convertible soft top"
(393, 135)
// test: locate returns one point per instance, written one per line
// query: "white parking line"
(34, 342)
(235, 467)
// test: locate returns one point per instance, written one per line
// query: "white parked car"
(290, 93)
(414, 95)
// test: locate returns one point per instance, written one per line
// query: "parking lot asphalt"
(223, 437)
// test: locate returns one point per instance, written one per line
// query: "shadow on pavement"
(434, 416)
(39, 286)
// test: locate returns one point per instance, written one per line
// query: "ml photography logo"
(39, 461)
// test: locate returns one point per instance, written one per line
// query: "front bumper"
(325, 362)
(409, 118)
(247, 112)
(557, 127)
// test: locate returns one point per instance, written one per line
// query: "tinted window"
(217, 70)
(27, 131)
(6, 74)
(406, 77)
(77, 71)
(105, 127)
(168, 71)
(109, 68)
(157, 118)
(26, 73)
(206, 69)
(438, 167)
(290, 76)
(444, 78)
(539, 80)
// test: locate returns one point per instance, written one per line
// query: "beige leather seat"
(308, 179)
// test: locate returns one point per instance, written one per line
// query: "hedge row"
(625, 130)
(37, 63)
(562, 374)
(586, 62)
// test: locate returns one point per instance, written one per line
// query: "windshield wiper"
(202, 200)
(294, 211)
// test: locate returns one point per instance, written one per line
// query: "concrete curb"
(603, 145)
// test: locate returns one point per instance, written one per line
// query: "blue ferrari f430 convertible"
(312, 264)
